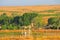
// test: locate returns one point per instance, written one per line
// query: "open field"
(22, 9)
(45, 12)
(36, 35)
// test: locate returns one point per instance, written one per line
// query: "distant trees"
(28, 17)
(37, 21)
(52, 20)
(3, 19)
(16, 22)
(53, 23)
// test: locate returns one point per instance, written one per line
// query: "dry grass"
(21, 9)
(56, 35)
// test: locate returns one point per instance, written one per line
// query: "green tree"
(16, 20)
(27, 18)
(4, 18)
(4, 27)
(54, 22)
(37, 22)
(12, 27)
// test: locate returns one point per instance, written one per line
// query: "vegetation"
(53, 23)
(16, 22)
(27, 18)
(38, 23)
(50, 11)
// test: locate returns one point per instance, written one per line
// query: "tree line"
(16, 22)
(53, 23)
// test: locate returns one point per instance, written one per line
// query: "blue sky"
(28, 2)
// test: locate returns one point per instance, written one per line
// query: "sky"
(28, 2)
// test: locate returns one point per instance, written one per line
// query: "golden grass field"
(22, 9)
(54, 36)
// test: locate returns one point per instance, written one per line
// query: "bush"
(54, 22)
(4, 27)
